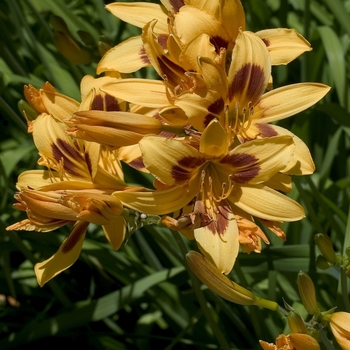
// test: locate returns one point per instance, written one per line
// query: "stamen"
(240, 121)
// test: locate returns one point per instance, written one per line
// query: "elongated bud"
(307, 293)
(103, 45)
(28, 112)
(66, 44)
(322, 263)
(217, 282)
(325, 246)
(296, 323)
(33, 96)
(347, 252)
(303, 342)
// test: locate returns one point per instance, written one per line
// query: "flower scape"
(204, 130)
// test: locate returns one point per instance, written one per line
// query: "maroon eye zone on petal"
(178, 172)
(251, 78)
(105, 103)
(214, 110)
(143, 55)
(266, 42)
(177, 4)
(112, 104)
(247, 162)
(218, 43)
(78, 230)
(97, 103)
(220, 225)
(62, 149)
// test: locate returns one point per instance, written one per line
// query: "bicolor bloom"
(295, 341)
(340, 326)
(238, 101)
(177, 24)
(234, 95)
(54, 206)
(217, 178)
(81, 176)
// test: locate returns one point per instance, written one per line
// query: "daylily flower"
(293, 341)
(218, 179)
(237, 99)
(177, 24)
(80, 179)
(54, 206)
(340, 326)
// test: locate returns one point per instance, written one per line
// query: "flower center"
(238, 120)
(213, 188)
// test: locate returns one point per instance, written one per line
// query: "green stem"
(200, 296)
(344, 289)
(314, 218)
(306, 35)
(325, 340)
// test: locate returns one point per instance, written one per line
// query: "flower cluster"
(203, 130)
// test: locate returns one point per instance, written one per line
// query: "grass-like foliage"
(144, 295)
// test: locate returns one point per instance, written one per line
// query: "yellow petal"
(170, 160)
(266, 203)
(35, 179)
(53, 144)
(150, 93)
(199, 46)
(283, 44)
(218, 241)
(115, 232)
(340, 326)
(201, 107)
(65, 257)
(213, 75)
(232, 17)
(93, 98)
(158, 202)
(258, 160)
(214, 141)
(191, 22)
(288, 100)
(58, 105)
(139, 14)
(127, 57)
(301, 162)
(249, 72)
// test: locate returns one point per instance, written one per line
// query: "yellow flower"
(177, 25)
(76, 188)
(233, 94)
(340, 326)
(217, 179)
(62, 203)
(293, 341)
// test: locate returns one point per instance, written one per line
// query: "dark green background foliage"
(141, 296)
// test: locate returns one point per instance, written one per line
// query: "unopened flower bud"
(296, 323)
(66, 44)
(303, 342)
(347, 252)
(322, 263)
(325, 246)
(307, 293)
(28, 112)
(216, 281)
